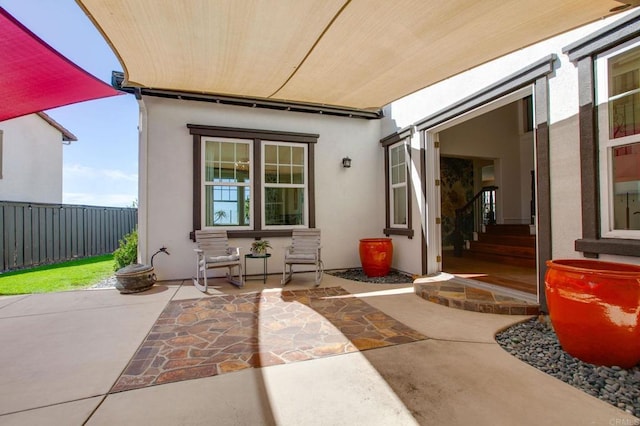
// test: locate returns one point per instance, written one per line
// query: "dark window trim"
(607, 37)
(237, 133)
(388, 229)
(583, 52)
(258, 136)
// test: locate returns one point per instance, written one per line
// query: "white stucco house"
(31, 158)
(554, 126)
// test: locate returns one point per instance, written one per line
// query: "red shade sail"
(34, 77)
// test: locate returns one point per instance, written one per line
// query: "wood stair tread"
(508, 229)
(508, 240)
(510, 244)
(506, 250)
(526, 262)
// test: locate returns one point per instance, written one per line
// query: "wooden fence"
(34, 234)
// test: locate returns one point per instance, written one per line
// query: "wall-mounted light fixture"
(346, 162)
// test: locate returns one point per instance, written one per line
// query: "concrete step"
(471, 295)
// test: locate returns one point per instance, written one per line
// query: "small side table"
(264, 258)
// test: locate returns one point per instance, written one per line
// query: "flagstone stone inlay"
(221, 334)
(469, 298)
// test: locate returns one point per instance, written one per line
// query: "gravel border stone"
(109, 282)
(536, 343)
(357, 274)
(354, 274)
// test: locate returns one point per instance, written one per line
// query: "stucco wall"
(349, 202)
(31, 161)
(563, 132)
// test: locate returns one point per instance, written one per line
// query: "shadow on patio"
(291, 356)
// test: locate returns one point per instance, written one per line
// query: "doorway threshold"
(477, 296)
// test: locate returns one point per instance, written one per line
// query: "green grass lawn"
(72, 275)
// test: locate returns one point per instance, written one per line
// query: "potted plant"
(131, 277)
(259, 247)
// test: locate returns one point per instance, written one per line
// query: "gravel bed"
(106, 283)
(535, 343)
(357, 274)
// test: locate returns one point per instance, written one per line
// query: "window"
(398, 186)
(227, 183)
(618, 100)
(608, 136)
(398, 189)
(284, 176)
(253, 183)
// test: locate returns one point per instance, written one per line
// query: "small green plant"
(260, 246)
(127, 252)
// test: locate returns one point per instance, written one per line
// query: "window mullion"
(258, 174)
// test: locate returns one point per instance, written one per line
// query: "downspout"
(143, 186)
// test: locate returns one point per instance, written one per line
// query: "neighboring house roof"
(67, 136)
(360, 54)
(34, 77)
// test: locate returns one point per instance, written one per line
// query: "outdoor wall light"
(346, 162)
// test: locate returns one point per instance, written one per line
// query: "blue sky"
(101, 168)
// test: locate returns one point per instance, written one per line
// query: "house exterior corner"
(347, 204)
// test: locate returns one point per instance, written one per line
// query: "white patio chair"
(214, 252)
(305, 249)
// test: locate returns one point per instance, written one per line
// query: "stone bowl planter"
(135, 278)
(376, 255)
(594, 307)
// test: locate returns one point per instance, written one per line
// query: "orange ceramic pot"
(376, 255)
(594, 308)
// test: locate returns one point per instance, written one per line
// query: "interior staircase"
(508, 244)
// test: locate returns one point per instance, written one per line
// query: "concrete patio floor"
(62, 353)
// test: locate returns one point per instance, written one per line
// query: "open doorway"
(487, 196)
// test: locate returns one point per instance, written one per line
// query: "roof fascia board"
(67, 136)
(117, 80)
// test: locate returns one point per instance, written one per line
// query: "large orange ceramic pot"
(376, 255)
(594, 308)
